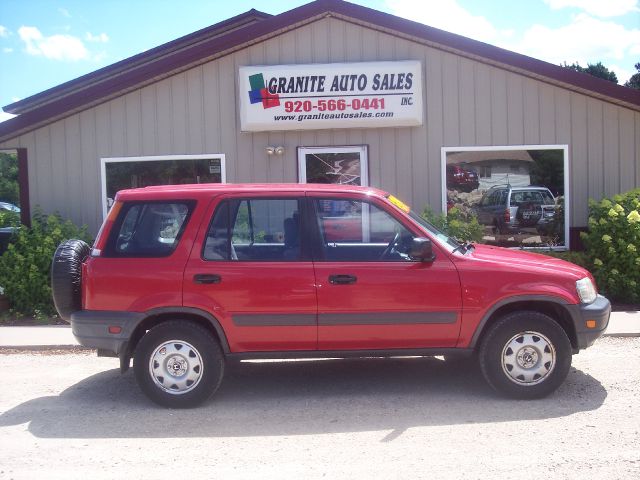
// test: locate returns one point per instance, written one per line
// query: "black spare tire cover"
(66, 277)
(529, 214)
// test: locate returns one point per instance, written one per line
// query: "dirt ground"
(72, 415)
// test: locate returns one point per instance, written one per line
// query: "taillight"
(507, 216)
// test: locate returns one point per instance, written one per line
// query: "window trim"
(153, 158)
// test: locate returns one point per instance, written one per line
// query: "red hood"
(527, 260)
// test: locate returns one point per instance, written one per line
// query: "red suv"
(186, 278)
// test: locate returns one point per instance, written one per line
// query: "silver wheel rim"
(176, 367)
(528, 358)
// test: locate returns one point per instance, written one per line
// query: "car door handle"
(342, 279)
(206, 278)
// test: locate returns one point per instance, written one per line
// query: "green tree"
(548, 170)
(594, 69)
(9, 191)
(634, 81)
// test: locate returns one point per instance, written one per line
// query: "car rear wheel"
(178, 364)
(525, 355)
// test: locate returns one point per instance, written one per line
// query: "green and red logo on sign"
(260, 94)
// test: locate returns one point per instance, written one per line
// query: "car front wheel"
(525, 355)
(178, 364)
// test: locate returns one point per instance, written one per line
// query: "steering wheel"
(390, 247)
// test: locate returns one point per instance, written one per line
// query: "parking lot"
(72, 415)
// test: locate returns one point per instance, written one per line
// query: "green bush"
(613, 245)
(579, 258)
(25, 266)
(9, 219)
(456, 224)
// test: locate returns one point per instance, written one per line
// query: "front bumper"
(91, 328)
(597, 314)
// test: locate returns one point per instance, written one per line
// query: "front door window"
(352, 230)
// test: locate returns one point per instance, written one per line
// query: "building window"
(485, 172)
(136, 172)
(518, 195)
(341, 165)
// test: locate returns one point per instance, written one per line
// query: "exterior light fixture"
(274, 150)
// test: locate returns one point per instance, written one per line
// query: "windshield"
(442, 238)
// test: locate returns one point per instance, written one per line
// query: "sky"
(44, 43)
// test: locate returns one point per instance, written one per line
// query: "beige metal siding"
(467, 103)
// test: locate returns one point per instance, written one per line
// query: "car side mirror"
(422, 249)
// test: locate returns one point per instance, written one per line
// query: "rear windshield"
(148, 229)
(539, 197)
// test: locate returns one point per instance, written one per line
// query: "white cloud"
(450, 16)
(55, 47)
(584, 40)
(101, 38)
(5, 116)
(4, 31)
(599, 8)
(7, 50)
(64, 12)
(100, 57)
(623, 74)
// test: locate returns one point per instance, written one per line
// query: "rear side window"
(258, 230)
(148, 229)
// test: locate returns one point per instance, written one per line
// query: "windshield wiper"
(464, 247)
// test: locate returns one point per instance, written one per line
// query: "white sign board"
(333, 95)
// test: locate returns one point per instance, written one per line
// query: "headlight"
(586, 290)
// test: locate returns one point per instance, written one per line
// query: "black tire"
(541, 353)
(529, 214)
(191, 351)
(66, 277)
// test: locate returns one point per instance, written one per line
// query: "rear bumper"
(598, 312)
(91, 328)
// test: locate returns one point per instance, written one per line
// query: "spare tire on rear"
(66, 277)
(529, 214)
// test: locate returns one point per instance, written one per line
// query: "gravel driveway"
(72, 415)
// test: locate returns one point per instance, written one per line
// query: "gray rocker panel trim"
(395, 352)
(387, 318)
(335, 319)
(274, 320)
